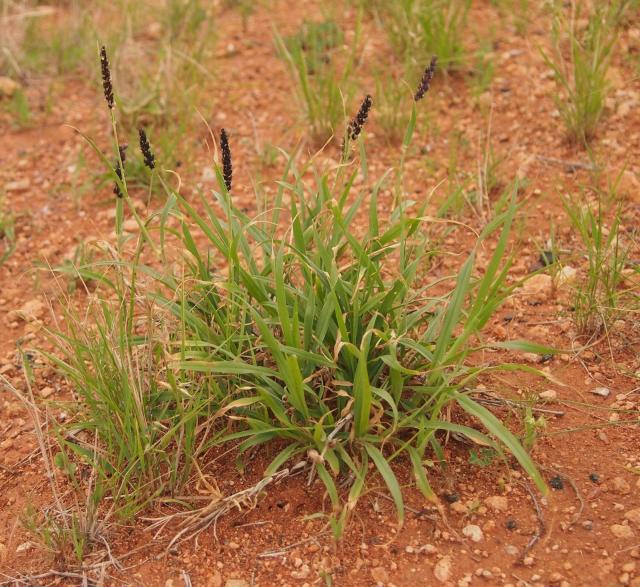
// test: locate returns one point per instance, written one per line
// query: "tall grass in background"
(417, 29)
(322, 70)
(172, 53)
(599, 296)
(583, 44)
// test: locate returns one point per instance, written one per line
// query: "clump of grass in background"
(393, 110)
(417, 30)
(323, 74)
(598, 298)
(580, 61)
(519, 10)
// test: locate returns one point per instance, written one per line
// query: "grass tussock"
(289, 325)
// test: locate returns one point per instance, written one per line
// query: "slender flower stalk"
(106, 77)
(118, 168)
(227, 168)
(355, 126)
(145, 148)
(425, 82)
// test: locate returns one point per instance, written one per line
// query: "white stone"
(442, 570)
(473, 532)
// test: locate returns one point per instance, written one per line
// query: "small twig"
(29, 579)
(285, 549)
(525, 583)
(541, 525)
(569, 165)
(195, 522)
(186, 579)
(493, 400)
(260, 523)
(627, 549)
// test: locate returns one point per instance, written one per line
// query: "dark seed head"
(227, 168)
(511, 524)
(355, 126)
(425, 82)
(145, 147)
(594, 477)
(122, 149)
(106, 77)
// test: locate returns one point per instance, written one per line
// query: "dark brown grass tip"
(106, 77)
(122, 149)
(355, 126)
(425, 82)
(227, 168)
(145, 148)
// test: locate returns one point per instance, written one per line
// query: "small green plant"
(323, 85)
(532, 428)
(580, 61)
(18, 107)
(60, 533)
(7, 232)
(81, 270)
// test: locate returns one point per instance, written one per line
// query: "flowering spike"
(227, 168)
(106, 77)
(425, 82)
(145, 148)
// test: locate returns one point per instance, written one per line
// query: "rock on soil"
(473, 532)
(497, 503)
(601, 391)
(442, 570)
(634, 517)
(538, 288)
(548, 394)
(621, 486)
(621, 531)
(379, 574)
(566, 276)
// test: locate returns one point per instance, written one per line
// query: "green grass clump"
(599, 296)
(417, 30)
(323, 74)
(580, 62)
(289, 325)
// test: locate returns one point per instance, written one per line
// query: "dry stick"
(283, 550)
(541, 525)
(496, 401)
(525, 583)
(627, 549)
(195, 522)
(28, 579)
(570, 165)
